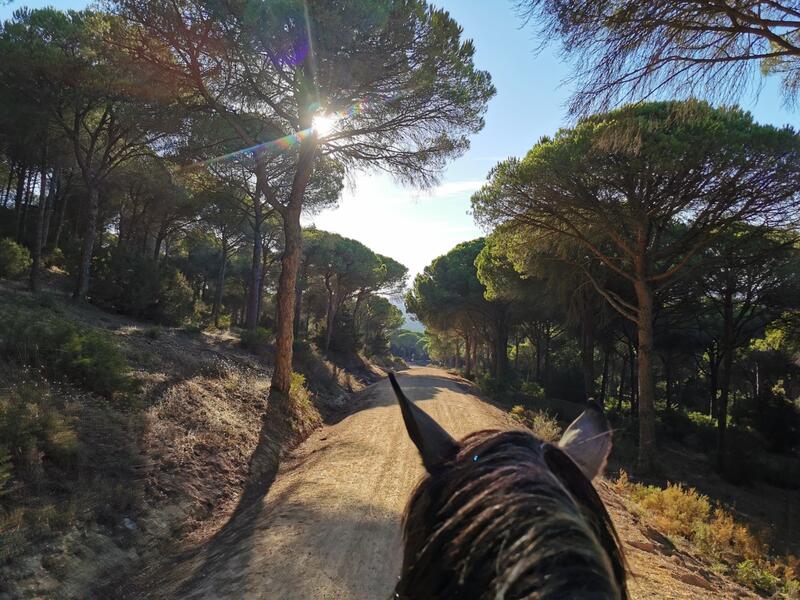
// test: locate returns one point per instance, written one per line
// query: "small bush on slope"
(15, 260)
(544, 425)
(58, 348)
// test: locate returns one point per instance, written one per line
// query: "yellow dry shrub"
(676, 509)
(722, 537)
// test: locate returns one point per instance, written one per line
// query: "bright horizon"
(414, 226)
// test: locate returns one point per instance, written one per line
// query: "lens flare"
(324, 124)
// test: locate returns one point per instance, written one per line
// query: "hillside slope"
(154, 473)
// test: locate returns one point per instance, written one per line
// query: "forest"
(160, 163)
(620, 266)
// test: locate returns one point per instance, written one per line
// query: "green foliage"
(174, 298)
(138, 286)
(35, 432)
(754, 575)
(258, 340)
(298, 391)
(533, 390)
(410, 345)
(154, 333)
(15, 260)
(59, 348)
(379, 320)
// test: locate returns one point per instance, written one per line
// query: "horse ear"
(434, 444)
(587, 440)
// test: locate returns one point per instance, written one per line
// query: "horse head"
(502, 514)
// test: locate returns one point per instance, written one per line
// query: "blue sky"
(415, 227)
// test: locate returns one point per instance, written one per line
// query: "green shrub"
(753, 574)
(15, 260)
(257, 340)
(298, 391)
(55, 259)
(137, 285)
(174, 298)
(35, 432)
(154, 333)
(532, 389)
(494, 388)
(54, 345)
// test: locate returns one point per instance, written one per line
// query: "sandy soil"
(329, 527)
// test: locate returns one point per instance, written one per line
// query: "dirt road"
(330, 525)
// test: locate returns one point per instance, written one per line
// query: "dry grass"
(543, 424)
(683, 512)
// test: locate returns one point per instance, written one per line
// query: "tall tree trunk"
(62, 211)
(223, 262)
(87, 246)
(290, 264)
(668, 376)
(647, 415)
(604, 380)
(547, 339)
(255, 271)
(38, 240)
(713, 381)
(284, 338)
(633, 380)
(23, 185)
(357, 308)
(329, 315)
(51, 201)
(262, 283)
(587, 353)
(7, 193)
(298, 309)
(467, 357)
(539, 356)
(500, 351)
(25, 206)
(162, 233)
(725, 379)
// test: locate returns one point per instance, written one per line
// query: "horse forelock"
(509, 517)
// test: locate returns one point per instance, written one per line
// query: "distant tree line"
(647, 257)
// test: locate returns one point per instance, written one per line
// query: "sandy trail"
(329, 528)
(330, 525)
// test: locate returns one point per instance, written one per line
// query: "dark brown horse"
(504, 515)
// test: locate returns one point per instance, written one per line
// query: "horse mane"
(509, 517)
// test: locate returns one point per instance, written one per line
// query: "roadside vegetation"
(680, 317)
(682, 513)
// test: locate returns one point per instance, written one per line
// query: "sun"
(323, 124)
